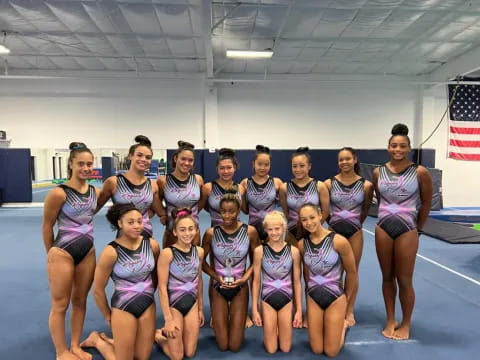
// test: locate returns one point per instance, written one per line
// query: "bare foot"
(389, 329)
(350, 319)
(91, 340)
(402, 333)
(248, 322)
(66, 355)
(82, 355)
(107, 339)
(305, 323)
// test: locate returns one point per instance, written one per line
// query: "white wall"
(325, 116)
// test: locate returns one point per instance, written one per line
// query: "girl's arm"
(163, 271)
(53, 203)
(109, 187)
(160, 208)
(342, 246)
(204, 194)
(426, 193)
(257, 273)
(201, 318)
(297, 287)
(103, 270)
(324, 200)
(368, 188)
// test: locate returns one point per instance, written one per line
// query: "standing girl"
(133, 187)
(260, 190)
(404, 194)
(350, 199)
(179, 189)
(70, 255)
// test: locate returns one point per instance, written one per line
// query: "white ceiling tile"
(188, 66)
(303, 67)
(141, 18)
(174, 19)
(181, 47)
(280, 67)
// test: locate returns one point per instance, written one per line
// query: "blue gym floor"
(446, 317)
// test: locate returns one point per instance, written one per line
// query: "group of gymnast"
(317, 233)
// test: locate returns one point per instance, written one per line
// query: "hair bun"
(185, 145)
(262, 149)
(226, 152)
(302, 150)
(77, 145)
(176, 213)
(143, 140)
(231, 190)
(399, 129)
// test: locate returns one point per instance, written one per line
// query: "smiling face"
(131, 224)
(226, 169)
(261, 165)
(398, 147)
(229, 210)
(310, 218)
(300, 167)
(275, 230)
(346, 161)
(185, 230)
(184, 161)
(81, 165)
(141, 158)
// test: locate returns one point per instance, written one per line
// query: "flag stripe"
(469, 130)
(461, 156)
(464, 137)
(465, 150)
(464, 143)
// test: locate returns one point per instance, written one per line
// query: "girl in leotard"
(326, 256)
(180, 289)
(276, 282)
(229, 245)
(404, 195)
(70, 254)
(350, 199)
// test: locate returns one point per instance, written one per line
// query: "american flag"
(464, 134)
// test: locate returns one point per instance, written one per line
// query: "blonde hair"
(275, 215)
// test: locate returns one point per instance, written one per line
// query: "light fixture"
(249, 54)
(4, 50)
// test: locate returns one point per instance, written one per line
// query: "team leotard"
(213, 203)
(183, 279)
(75, 226)
(233, 247)
(298, 196)
(132, 275)
(277, 276)
(261, 199)
(399, 200)
(179, 194)
(325, 271)
(346, 203)
(139, 195)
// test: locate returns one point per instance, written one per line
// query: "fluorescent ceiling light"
(4, 50)
(249, 54)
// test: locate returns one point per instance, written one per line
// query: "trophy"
(228, 278)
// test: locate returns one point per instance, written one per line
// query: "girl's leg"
(334, 326)
(82, 282)
(356, 241)
(219, 313)
(60, 268)
(237, 314)
(406, 246)
(315, 326)
(285, 327)
(98, 342)
(191, 329)
(145, 334)
(270, 328)
(384, 245)
(124, 329)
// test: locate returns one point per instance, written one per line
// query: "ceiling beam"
(207, 35)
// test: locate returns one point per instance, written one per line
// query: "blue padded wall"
(15, 179)
(324, 162)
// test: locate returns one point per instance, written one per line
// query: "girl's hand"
(201, 318)
(257, 319)
(297, 320)
(170, 329)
